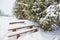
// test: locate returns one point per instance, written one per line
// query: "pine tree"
(35, 10)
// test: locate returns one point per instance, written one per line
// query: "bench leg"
(35, 30)
(13, 30)
(17, 36)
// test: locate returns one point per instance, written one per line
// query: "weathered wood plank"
(18, 35)
(14, 29)
(15, 22)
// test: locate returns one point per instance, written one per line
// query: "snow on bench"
(14, 29)
(15, 22)
(20, 31)
(17, 34)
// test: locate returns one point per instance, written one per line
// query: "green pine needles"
(36, 11)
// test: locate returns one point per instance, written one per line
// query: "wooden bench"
(19, 34)
(14, 29)
(15, 22)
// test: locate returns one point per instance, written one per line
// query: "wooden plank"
(14, 29)
(18, 35)
(15, 22)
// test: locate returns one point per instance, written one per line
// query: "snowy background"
(6, 6)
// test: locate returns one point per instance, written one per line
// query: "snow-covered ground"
(6, 7)
(39, 35)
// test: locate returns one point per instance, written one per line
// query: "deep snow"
(40, 35)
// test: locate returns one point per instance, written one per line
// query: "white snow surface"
(6, 6)
(39, 35)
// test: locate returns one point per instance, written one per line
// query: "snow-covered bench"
(18, 34)
(16, 22)
(14, 29)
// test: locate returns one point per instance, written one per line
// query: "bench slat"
(34, 30)
(14, 29)
(15, 22)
